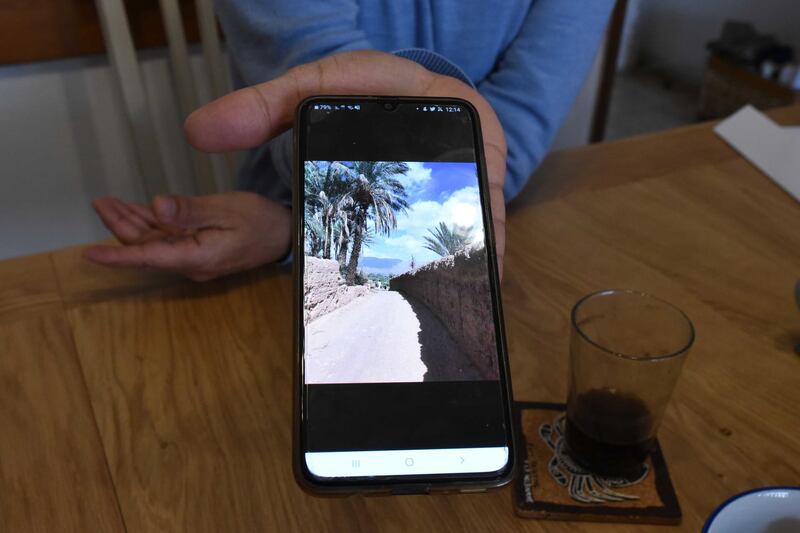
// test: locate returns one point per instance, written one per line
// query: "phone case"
(411, 484)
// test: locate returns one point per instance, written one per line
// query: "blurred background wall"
(64, 140)
(671, 34)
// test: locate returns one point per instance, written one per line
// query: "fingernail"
(165, 207)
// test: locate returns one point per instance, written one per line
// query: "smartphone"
(402, 375)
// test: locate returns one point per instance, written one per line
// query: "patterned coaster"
(550, 485)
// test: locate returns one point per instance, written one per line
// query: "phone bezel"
(416, 484)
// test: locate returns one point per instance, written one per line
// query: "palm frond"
(446, 241)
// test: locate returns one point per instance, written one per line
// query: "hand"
(237, 231)
(201, 237)
(251, 116)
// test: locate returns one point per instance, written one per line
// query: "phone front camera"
(388, 106)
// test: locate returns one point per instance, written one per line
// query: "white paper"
(771, 148)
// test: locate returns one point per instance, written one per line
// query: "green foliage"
(446, 241)
(359, 279)
(314, 235)
(383, 279)
(376, 189)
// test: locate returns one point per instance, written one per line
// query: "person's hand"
(254, 230)
(200, 237)
(251, 116)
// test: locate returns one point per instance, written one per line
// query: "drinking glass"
(626, 353)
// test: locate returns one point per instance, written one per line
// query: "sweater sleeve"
(268, 38)
(538, 77)
(434, 62)
(531, 88)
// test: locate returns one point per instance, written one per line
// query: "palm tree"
(313, 224)
(328, 198)
(315, 233)
(340, 202)
(447, 241)
(328, 207)
(313, 228)
(377, 194)
(342, 231)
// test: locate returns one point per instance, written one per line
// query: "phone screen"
(402, 365)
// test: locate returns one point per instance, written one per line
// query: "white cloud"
(416, 177)
(408, 242)
(462, 208)
(378, 252)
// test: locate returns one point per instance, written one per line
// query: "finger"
(179, 256)
(248, 117)
(157, 230)
(190, 213)
(498, 205)
(124, 209)
(138, 230)
(104, 207)
(144, 212)
(117, 221)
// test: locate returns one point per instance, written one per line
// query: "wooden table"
(139, 402)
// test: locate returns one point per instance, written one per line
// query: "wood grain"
(53, 475)
(598, 166)
(190, 384)
(27, 285)
(714, 250)
(80, 280)
(732, 424)
(192, 391)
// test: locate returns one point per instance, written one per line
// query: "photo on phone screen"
(402, 372)
(406, 239)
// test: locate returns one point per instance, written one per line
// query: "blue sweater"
(528, 58)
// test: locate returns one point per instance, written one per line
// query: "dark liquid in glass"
(608, 433)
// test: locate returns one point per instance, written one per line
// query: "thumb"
(188, 212)
(250, 116)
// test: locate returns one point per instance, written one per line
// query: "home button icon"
(409, 461)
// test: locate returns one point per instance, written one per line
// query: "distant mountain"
(377, 262)
(382, 265)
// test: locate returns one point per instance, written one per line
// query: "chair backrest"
(211, 173)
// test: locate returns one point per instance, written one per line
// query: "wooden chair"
(212, 173)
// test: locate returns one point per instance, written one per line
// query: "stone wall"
(456, 289)
(324, 288)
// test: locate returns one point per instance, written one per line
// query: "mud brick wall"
(324, 288)
(456, 289)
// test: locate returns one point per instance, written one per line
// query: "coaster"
(550, 485)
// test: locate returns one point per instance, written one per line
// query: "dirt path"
(383, 337)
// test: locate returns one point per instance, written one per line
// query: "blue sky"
(437, 192)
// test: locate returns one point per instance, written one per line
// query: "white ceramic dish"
(764, 510)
